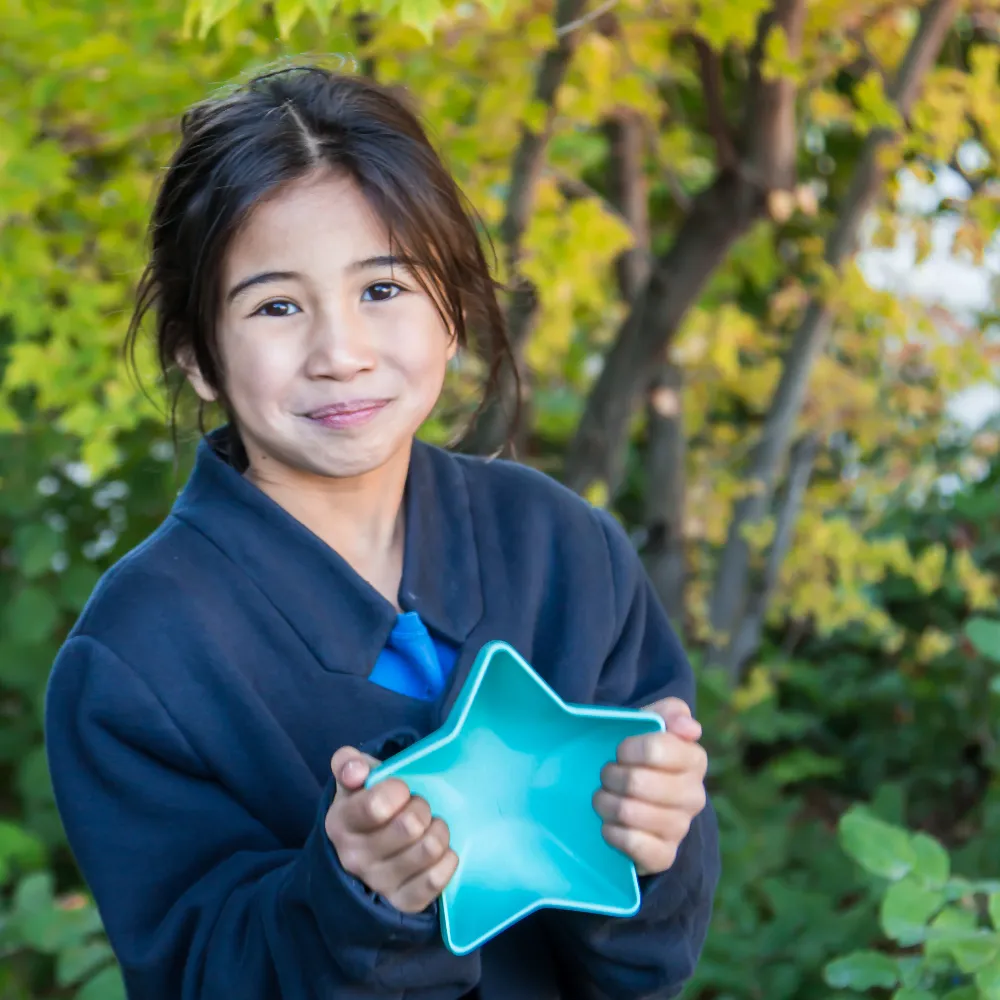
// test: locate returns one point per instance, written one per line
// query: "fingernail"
(684, 725)
(353, 770)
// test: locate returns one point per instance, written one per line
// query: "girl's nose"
(340, 349)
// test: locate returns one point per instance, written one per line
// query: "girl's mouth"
(350, 414)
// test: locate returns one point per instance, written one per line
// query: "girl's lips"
(348, 414)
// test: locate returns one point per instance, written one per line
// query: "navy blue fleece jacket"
(193, 711)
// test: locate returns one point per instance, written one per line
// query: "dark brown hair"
(242, 147)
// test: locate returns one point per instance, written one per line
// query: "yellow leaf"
(875, 110)
(933, 643)
(540, 32)
(757, 688)
(928, 570)
(779, 63)
(287, 14)
(535, 116)
(597, 493)
(421, 14)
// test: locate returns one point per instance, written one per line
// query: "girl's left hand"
(655, 788)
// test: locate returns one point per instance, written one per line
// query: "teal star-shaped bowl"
(513, 772)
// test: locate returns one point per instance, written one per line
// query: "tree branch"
(572, 188)
(746, 641)
(363, 34)
(710, 70)
(719, 215)
(731, 592)
(587, 18)
(770, 135)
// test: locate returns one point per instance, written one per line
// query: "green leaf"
(877, 846)
(33, 893)
(861, 971)
(76, 585)
(984, 634)
(56, 929)
(30, 616)
(988, 980)
(106, 985)
(932, 862)
(18, 848)
(906, 909)
(34, 546)
(82, 960)
(994, 910)
(911, 993)
(969, 948)
(802, 764)
(962, 993)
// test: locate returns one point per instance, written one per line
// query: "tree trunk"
(730, 597)
(664, 553)
(718, 216)
(490, 431)
(665, 452)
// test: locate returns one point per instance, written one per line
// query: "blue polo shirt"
(413, 663)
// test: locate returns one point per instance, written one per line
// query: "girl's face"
(333, 355)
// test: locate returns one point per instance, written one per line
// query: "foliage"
(877, 681)
(953, 922)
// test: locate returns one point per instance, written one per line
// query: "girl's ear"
(188, 365)
(452, 347)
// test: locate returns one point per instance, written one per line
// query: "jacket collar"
(338, 614)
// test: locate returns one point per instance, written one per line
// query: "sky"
(963, 287)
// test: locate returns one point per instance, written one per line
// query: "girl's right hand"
(386, 837)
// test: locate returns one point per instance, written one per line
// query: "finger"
(664, 752)
(350, 768)
(649, 853)
(676, 714)
(370, 809)
(404, 830)
(685, 727)
(659, 788)
(666, 707)
(417, 894)
(661, 821)
(394, 872)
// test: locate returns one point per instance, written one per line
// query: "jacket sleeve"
(199, 899)
(652, 954)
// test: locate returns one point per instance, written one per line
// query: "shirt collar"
(339, 614)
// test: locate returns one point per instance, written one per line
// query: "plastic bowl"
(513, 772)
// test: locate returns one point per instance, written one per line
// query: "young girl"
(320, 589)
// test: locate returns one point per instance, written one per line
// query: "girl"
(317, 595)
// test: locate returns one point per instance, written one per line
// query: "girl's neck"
(361, 519)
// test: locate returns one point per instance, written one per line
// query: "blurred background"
(752, 268)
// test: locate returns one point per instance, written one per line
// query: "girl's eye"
(381, 291)
(277, 309)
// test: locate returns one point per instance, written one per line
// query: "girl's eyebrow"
(386, 260)
(259, 279)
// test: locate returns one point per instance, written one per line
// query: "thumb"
(351, 768)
